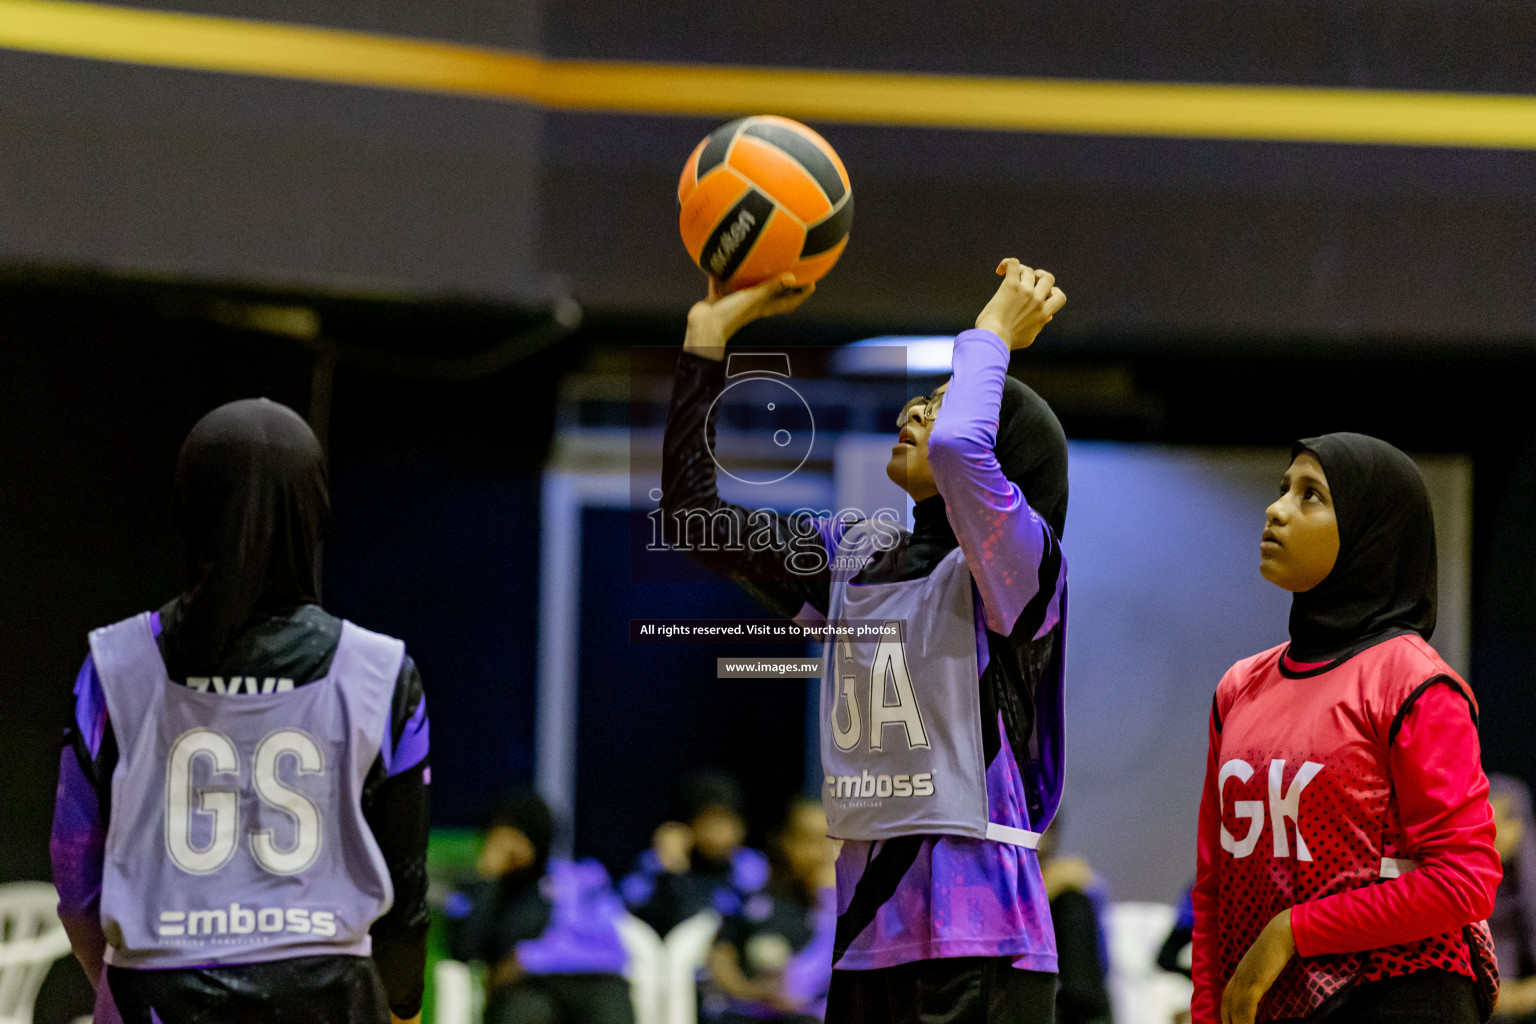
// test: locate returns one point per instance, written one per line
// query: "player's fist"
(1025, 302)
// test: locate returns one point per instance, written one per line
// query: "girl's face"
(1301, 532)
(908, 467)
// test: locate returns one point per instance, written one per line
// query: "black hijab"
(1383, 583)
(1031, 448)
(253, 508)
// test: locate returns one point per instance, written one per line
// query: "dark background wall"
(226, 177)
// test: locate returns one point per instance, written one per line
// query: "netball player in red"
(1346, 859)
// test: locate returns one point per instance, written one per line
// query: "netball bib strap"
(362, 652)
(1013, 836)
(131, 671)
(369, 663)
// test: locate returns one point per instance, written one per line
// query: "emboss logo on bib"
(865, 786)
(1284, 802)
(238, 920)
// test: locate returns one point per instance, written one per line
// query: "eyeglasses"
(930, 404)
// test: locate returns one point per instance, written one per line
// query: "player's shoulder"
(373, 635)
(1244, 675)
(113, 631)
(1256, 666)
(1407, 665)
(1414, 656)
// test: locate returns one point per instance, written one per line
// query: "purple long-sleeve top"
(959, 896)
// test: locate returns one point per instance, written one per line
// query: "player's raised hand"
(712, 322)
(1024, 303)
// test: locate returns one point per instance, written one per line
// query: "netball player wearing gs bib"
(1346, 861)
(241, 824)
(939, 792)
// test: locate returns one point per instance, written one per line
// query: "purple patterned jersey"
(926, 896)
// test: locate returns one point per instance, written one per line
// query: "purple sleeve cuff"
(414, 742)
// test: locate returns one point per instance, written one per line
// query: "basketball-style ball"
(761, 196)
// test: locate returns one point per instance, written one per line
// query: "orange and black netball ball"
(761, 196)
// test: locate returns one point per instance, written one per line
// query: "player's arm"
(396, 804)
(1205, 967)
(1442, 802)
(696, 517)
(77, 846)
(1013, 555)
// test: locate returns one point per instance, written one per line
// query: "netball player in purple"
(241, 824)
(941, 734)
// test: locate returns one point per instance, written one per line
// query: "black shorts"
(952, 990)
(303, 990)
(562, 999)
(1430, 996)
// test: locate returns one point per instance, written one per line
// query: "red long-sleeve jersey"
(1353, 794)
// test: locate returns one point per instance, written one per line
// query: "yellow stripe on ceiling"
(1069, 106)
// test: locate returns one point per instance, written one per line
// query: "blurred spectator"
(1513, 921)
(1078, 904)
(1176, 955)
(772, 960)
(697, 862)
(546, 930)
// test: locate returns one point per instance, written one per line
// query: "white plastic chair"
(1142, 992)
(688, 947)
(453, 993)
(31, 938)
(646, 972)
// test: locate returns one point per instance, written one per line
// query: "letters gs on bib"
(1284, 802)
(203, 786)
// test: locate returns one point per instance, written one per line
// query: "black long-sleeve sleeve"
(397, 809)
(1177, 941)
(779, 559)
(1081, 996)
